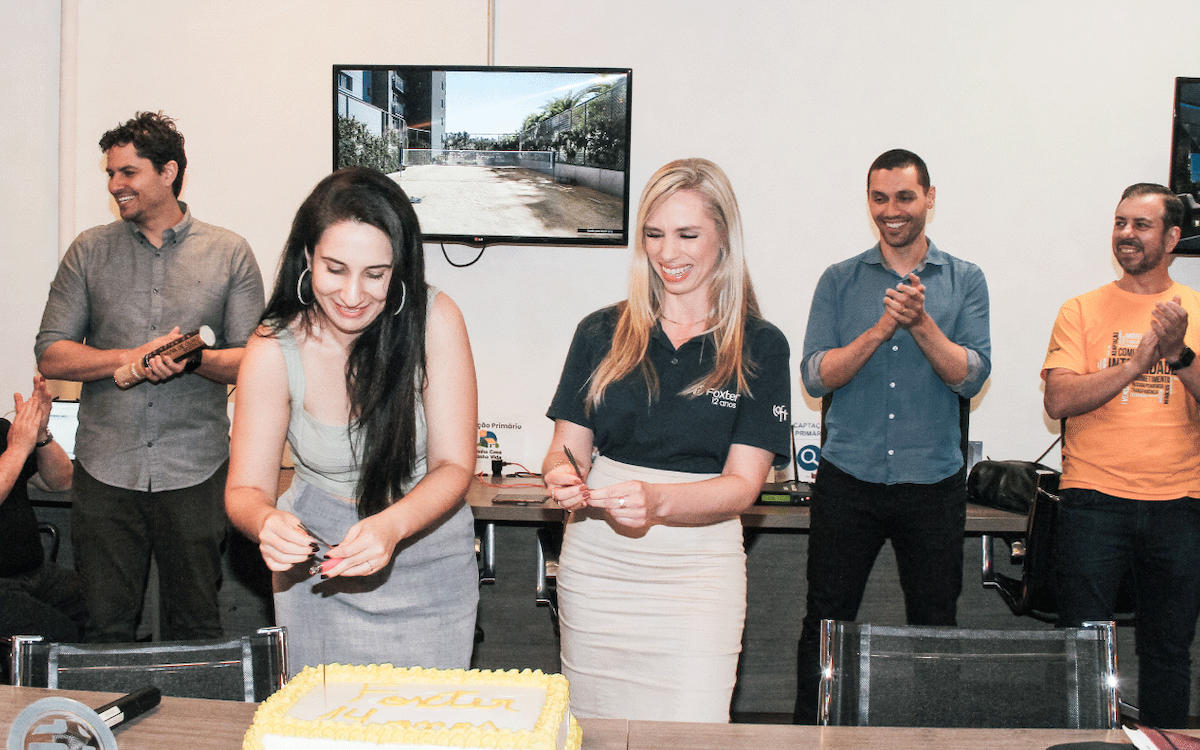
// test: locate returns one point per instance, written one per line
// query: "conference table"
(490, 501)
(221, 725)
(523, 501)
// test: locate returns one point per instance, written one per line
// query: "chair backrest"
(876, 675)
(1033, 594)
(249, 668)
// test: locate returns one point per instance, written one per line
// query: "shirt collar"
(175, 233)
(874, 256)
(657, 334)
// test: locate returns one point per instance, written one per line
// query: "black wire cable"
(462, 265)
(1057, 440)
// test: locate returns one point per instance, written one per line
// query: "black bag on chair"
(1005, 485)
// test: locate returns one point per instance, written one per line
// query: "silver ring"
(621, 502)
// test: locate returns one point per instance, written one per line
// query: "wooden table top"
(653, 735)
(221, 725)
(175, 723)
(483, 493)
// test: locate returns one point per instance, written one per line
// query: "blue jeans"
(850, 521)
(1098, 540)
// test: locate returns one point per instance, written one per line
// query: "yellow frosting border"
(271, 718)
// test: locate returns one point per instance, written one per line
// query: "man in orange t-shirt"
(1120, 371)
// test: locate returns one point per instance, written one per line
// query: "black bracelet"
(49, 439)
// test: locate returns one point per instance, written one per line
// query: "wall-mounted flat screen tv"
(494, 154)
(1185, 160)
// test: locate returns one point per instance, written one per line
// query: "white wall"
(1032, 115)
(250, 84)
(29, 194)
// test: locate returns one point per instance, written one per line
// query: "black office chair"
(954, 677)
(1032, 593)
(249, 668)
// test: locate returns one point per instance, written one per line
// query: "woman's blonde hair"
(731, 294)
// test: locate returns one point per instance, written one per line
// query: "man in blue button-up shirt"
(151, 459)
(896, 337)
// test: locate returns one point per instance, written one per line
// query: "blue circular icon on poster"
(808, 457)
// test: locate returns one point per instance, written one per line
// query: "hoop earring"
(299, 284)
(403, 298)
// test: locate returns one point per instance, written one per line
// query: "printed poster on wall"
(807, 441)
(498, 439)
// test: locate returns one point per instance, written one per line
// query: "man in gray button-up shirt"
(151, 459)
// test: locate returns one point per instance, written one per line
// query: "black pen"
(129, 707)
(574, 465)
(318, 539)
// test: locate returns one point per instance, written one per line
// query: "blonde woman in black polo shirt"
(683, 392)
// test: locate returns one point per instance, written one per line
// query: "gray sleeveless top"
(323, 453)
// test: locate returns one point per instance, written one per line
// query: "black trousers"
(116, 531)
(850, 521)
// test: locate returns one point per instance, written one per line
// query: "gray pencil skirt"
(418, 611)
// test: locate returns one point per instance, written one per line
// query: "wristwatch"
(1186, 356)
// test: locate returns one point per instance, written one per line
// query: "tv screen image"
(494, 154)
(1185, 159)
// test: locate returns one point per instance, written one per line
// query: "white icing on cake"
(380, 707)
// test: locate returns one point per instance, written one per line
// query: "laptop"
(64, 421)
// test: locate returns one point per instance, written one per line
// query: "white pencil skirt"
(651, 619)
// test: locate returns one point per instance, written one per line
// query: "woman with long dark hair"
(367, 373)
(683, 391)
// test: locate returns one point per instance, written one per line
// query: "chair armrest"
(547, 571)
(50, 530)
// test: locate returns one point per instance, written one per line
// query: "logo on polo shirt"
(780, 411)
(727, 399)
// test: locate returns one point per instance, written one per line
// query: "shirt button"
(154, 290)
(150, 404)
(891, 452)
(895, 348)
(892, 385)
(675, 361)
(150, 444)
(890, 416)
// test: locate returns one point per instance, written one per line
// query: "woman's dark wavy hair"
(386, 366)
